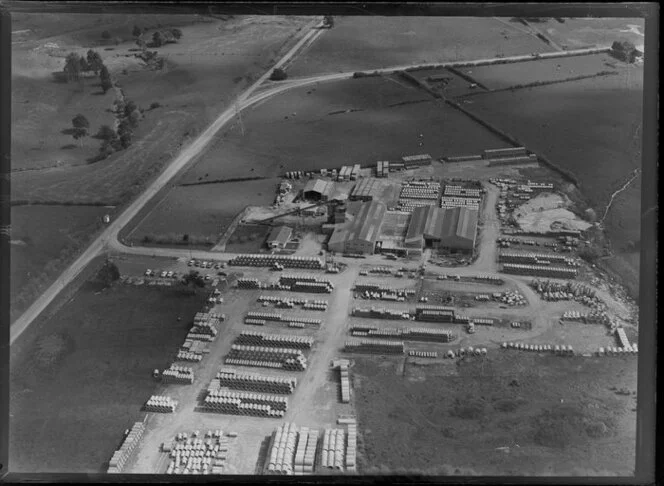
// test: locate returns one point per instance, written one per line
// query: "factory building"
(451, 228)
(366, 189)
(318, 190)
(360, 235)
(279, 237)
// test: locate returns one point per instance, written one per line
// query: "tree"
(328, 21)
(106, 35)
(177, 33)
(95, 62)
(124, 133)
(108, 274)
(129, 107)
(83, 64)
(278, 74)
(72, 66)
(157, 39)
(140, 42)
(136, 32)
(105, 78)
(105, 133)
(79, 121)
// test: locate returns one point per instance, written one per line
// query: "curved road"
(109, 236)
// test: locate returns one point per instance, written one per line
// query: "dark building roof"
(280, 234)
(366, 225)
(319, 186)
(442, 223)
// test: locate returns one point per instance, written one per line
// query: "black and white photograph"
(328, 242)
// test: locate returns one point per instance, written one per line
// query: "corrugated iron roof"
(280, 234)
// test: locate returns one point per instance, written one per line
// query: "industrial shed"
(279, 237)
(451, 228)
(361, 234)
(318, 190)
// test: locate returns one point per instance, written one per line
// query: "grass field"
(79, 379)
(505, 75)
(557, 418)
(248, 238)
(361, 43)
(45, 237)
(354, 121)
(580, 32)
(204, 210)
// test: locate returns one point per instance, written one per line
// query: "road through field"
(186, 156)
(109, 236)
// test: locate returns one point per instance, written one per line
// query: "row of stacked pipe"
(261, 318)
(540, 270)
(204, 329)
(333, 449)
(222, 400)
(288, 261)
(161, 404)
(263, 356)
(595, 316)
(423, 354)
(192, 455)
(282, 452)
(305, 454)
(248, 283)
(305, 283)
(380, 313)
(178, 374)
(490, 279)
(256, 382)
(555, 291)
(274, 340)
(345, 381)
(557, 349)
(123, 454)
(382, 289)
(407, 334)
(376, 346)
(618, 351)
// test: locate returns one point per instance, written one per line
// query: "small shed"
(279, 237)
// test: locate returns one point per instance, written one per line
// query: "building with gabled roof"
(279, 237)
(451, 228)
(361, 234)
(318, 190)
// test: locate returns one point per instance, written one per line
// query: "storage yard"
(423, 303)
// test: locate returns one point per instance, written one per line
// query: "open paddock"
(559, 411)
(275, 141)
(543, 70)
(80, 378)
(363, 43)
(577, 33)
(203, 210)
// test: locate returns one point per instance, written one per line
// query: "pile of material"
(407, 334)
(178, 374)
(248, 283)
(305, 454)
(256, 382)
(376, 346)
(423, 354)
(192, 455)
(282, 453)
(245, 403)
(287, 261)
(274, 340)
(380, 313)
(334, 449)
(161, 404)
(129, 444)
(286, 358)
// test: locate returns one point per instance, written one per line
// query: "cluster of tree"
(278, 74)
(191, 283)
(625, 51)
(76, 64)
(168, 36)
(328, 21)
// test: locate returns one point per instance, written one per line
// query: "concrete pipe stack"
(178, 374)
(288, 261)
(377, 346)
(254, 362)
(320, 305)
(234, 406)
(188, 356)
(351, 449)
(540, 270)
(384, 270)
(334, 449)
(297, 325)
(248, 283)
(268, 316)
(256, 382)
(282, 453)
(276, 402)
(345, 383)
(129, 444)
(380, 313)
(305, 455)
(312, 287)
(254, 322)
(423, 354)
(195, 456)
(274, 340)
(304, 320)
(263, 352)
(161, 404)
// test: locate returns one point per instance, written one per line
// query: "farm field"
(354, 121)
(550, 416)
(248, 238)
(92, 364)
(601, 151)
(580, 32)
(212, 63)
(452, 87)
(202, 211)
(44, 237)
(362, 43)
(506, 75)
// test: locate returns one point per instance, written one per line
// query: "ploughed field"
(510, 413)
(80, 377)
(44, 238)
(364, 43)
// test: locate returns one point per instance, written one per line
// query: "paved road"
(188, 154)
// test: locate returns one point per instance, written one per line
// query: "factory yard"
(357, 277)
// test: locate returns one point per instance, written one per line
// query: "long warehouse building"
(450, 228)
(361, 234)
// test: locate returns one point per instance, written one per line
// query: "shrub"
(154, 105)
(278, 74)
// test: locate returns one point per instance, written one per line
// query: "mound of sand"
(547, 212)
